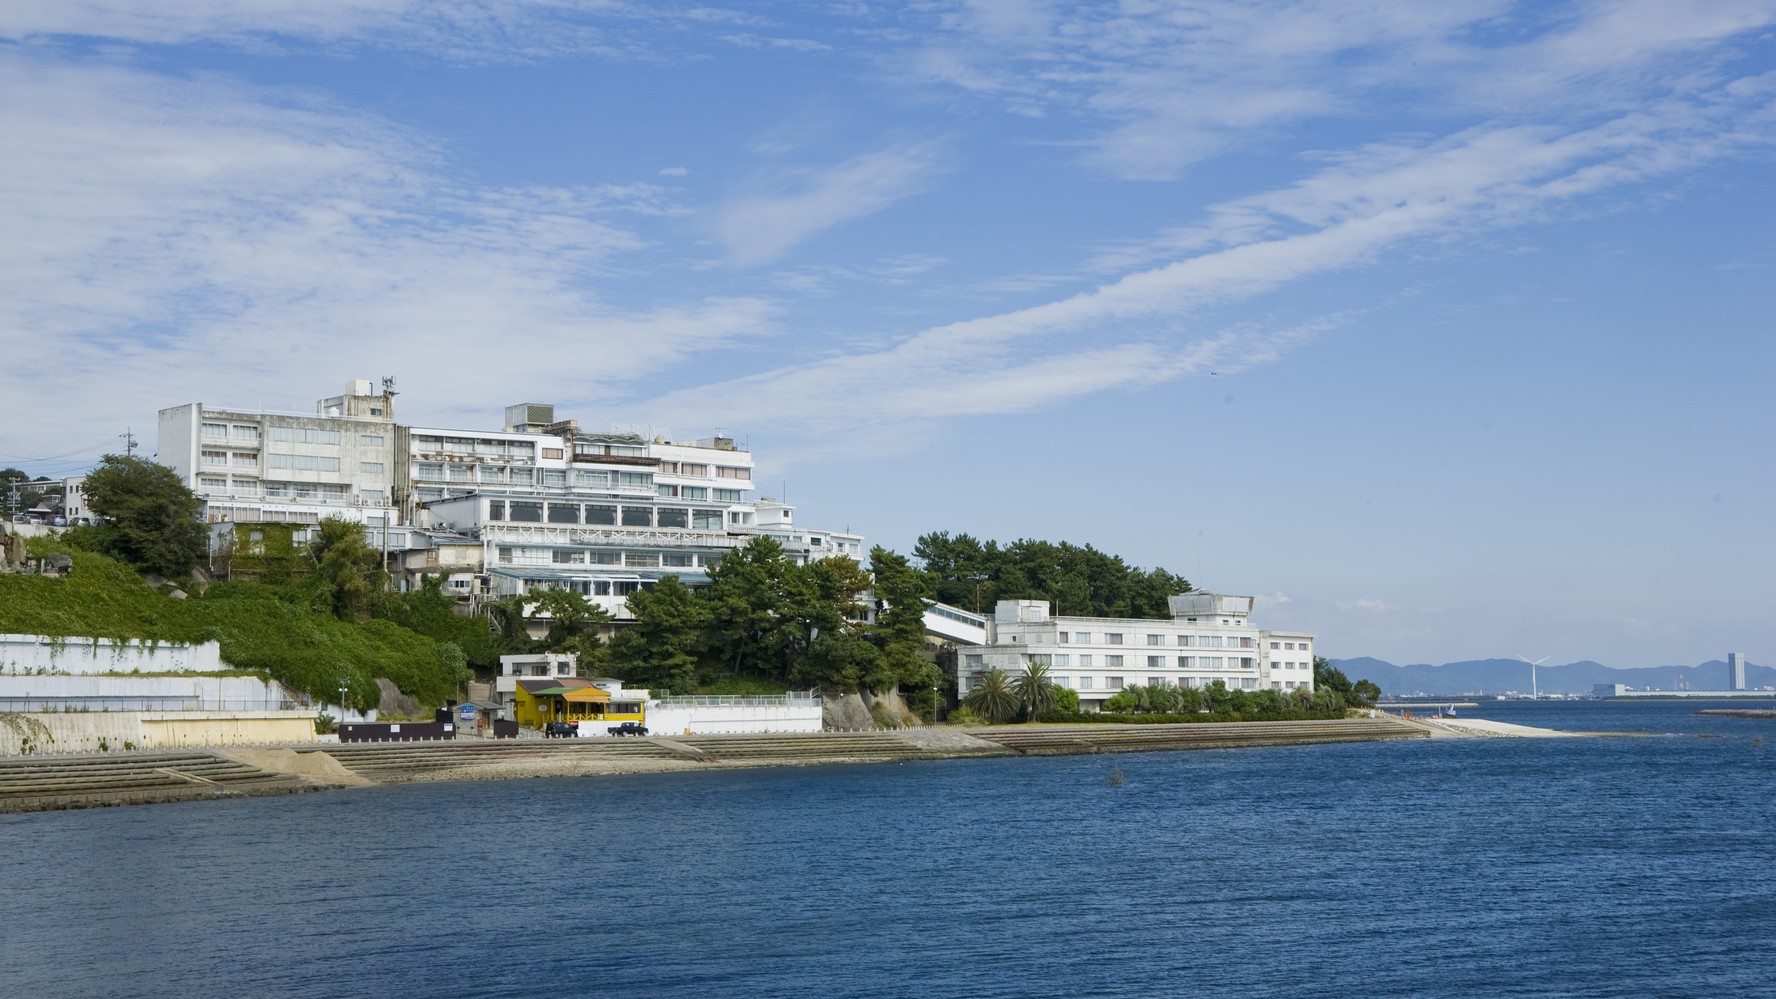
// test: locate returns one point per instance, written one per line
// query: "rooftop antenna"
(1534, 694)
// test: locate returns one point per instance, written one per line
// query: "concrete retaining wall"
(141, 693)
(22, 655)
(722, 718)
(98, 731)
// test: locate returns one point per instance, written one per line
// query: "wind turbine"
(1534, 694)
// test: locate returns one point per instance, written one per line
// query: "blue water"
(1626, 866)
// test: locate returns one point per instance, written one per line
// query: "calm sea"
(1630, 866)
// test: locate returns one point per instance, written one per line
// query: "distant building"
(1735, 671)
(1208, 638)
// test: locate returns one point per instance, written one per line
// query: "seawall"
(35, 783)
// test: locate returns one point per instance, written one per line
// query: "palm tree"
(1034, 691)
(993, 699)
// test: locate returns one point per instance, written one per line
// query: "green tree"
(151, 520)
(348, 572)
(1365, 693)
(663, 648)
(900, 629)
(1034, 690)
(993, 699)
(1329, 677)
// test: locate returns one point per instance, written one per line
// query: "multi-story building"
(293, 468)
(546, 503)
(1208, 638)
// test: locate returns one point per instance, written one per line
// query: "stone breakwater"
(33, 783)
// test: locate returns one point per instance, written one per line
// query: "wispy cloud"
(759, 228)
(1139, 330)
(199, 235)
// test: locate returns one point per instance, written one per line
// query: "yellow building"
(571, 699)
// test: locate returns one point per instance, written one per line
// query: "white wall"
(727, 718)
(35, 654)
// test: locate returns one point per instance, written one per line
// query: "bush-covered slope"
(258, 627)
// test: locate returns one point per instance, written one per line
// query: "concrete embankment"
(35, 783)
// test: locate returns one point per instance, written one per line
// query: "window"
(1186, 641)
(215, 457)
(1186, 662)
(691, 471)
(674, 516)
(1113, 638)
(725, 495)
(527, 512)
(244, 435)
(641, 560)
(676, 560)
(370, 440)
(1082, 637)
(593, 478)
(569, 557)
(1062, 681)
(215, 430)
(636, 480)
(1061, 638)
(564, 513)
(1112, 662)
(695, 492)
(496, 509)
(1156, 639)
(598, 513)
(972, 661)
(638, 516)
(554, 477)
(1085, 683)
(212, 482)
(1085, 660)
(304, 435)
(1246, 662)
(660, 490)
(605, 557)
(706, 520)
(1274, 645)
(431, 471)
(1114, 683)
(1156, 662)
(244, 459)
(370, 467)
(729, 472)
(523, 476)
(303, 462)
(553, 453)
(1157, 681)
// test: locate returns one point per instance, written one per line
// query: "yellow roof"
(586, 694)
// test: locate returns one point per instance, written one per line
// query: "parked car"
(561, 730)
(628, 728)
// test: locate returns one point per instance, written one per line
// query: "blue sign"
(467, 711)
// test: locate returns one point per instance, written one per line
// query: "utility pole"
(129, 443)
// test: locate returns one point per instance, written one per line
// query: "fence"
(792, 699)
(145, 703)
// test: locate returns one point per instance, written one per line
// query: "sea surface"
(1636, 865)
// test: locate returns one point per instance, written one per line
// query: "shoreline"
(36, 783)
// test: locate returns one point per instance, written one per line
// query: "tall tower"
(1735, 671)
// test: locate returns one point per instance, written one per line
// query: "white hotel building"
(540, 503)
(1208, 638)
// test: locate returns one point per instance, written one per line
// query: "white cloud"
(200, 236)
(759, 228)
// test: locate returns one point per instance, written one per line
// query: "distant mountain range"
(1500, 676)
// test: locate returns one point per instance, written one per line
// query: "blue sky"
(1444, 328)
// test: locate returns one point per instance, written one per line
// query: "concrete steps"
(37, 783)
(393, 763)
(1114, 738)
(793, 746)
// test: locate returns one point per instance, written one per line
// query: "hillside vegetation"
(260, 628)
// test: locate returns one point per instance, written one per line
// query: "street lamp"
(342, 702)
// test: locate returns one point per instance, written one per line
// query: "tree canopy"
(1078, 581)
(151, 519)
